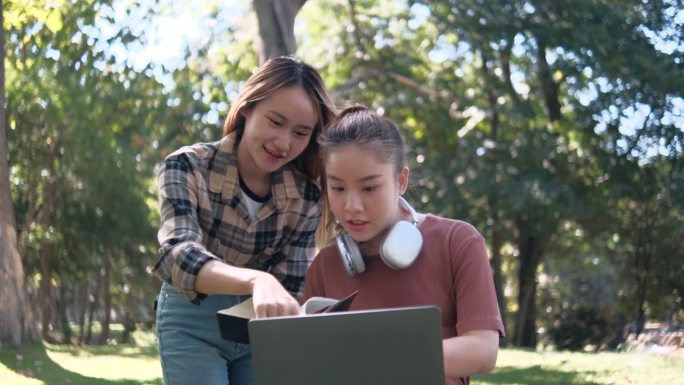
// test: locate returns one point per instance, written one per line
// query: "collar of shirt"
(224, 179)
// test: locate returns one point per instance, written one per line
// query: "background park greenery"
(555, 127)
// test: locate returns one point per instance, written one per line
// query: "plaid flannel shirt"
(203, 218)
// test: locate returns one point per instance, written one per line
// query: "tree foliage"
(522, 114)
(76, 120)
(554, 127)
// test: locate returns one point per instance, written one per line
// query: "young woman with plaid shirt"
(239, 218)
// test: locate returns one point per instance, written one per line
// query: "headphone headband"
(404, 204)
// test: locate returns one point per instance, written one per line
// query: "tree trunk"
(276, 27)
(494, 208)
(548, 84)
(62, 303)
(128, 317)
(498, 275)
(46, 300)
(81, 307)
(531, 252)
(643, 255)
(505, 58)
(107, 293)
(16, 318)
(93, 301)
(46, 249)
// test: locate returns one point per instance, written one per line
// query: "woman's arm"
(471, 353)
(270, 298)
(478, 322)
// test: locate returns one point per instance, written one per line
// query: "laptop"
(397, 346)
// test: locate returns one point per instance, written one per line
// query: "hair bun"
(351, 108)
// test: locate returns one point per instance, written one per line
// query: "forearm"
(217, 277)
(270, 298)
(472, 353)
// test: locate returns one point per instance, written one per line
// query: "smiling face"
(363, 193)
(277, 130)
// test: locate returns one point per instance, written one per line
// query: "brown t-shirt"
(452, 272)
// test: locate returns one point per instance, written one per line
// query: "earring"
(337, 227)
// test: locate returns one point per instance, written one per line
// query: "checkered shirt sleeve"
(182, 252)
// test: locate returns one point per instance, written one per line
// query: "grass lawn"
(519, 367)
(138, 364)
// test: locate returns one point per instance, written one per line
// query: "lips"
(356, 226)
(275, 154)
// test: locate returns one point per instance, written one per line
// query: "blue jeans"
(190, 344)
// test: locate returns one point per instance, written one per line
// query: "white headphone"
(398, 249)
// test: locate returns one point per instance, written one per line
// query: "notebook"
(233, 321)
(397, 346)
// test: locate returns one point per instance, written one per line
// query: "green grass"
(138, 364)
(520, 367)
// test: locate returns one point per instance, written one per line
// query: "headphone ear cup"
(401, 246)
(351, 255)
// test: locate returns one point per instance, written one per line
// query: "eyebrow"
(281, 116)
(364, 179)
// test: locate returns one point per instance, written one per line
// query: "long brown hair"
(278, 73)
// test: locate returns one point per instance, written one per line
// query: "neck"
(257, 182)
(372, 246)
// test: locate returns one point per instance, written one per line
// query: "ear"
(246, 111)
(403, 180)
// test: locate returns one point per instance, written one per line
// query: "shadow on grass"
(533, 375)
(140, 344)
(32, 360)
(120, 350)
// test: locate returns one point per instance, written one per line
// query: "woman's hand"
(271, 299)
(269, 296)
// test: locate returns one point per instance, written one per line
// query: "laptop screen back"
(400, 346)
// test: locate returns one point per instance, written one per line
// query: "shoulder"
(434, 225)
(310, 191)
(307, 187)
(329, 251)
(458, 239)
(299, 185)
(203, 150)
(325, 257)
(198, 155)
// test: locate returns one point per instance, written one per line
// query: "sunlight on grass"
(8, 376)
(537, 368)
(136, 363)
(138, 360)
(109, 367)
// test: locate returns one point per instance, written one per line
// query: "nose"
(282, 142)
(353, 202)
